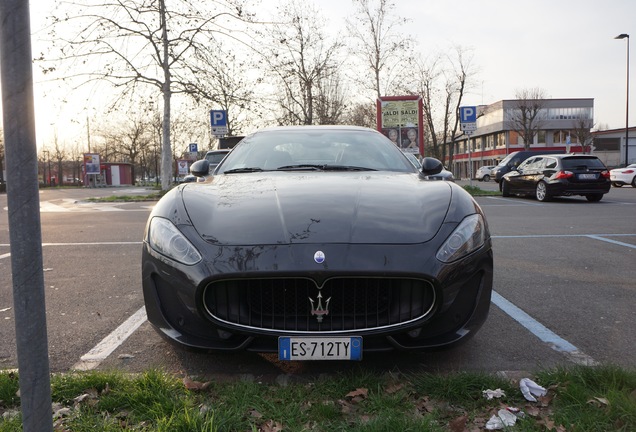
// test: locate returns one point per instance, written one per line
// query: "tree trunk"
(166, 150)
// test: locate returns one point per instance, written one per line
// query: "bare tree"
(527, 116)
(330, 101)
(129, 43)
(442, 81)
(361, 114)
(304, 61)
(458, 82)
(227, 84)
(130, 139)
(425, 82)
(380, 44)
(582, 129)
(59, 155)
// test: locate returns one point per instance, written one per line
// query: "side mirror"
(431, 166)
(200, 168)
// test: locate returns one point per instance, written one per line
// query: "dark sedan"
(551, 175)
(317, 242)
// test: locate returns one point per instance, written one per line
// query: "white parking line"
(598, 237)
(542, 332)
(110, 343)
(515, 201)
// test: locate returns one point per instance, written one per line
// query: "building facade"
(609, 146)
(497, 132)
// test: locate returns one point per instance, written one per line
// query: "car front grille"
(345, 303)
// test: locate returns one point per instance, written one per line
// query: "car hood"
(324, 207)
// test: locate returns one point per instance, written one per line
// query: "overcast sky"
(565, 47)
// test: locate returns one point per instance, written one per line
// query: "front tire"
(486, 178)
(615, 184)
(594, 197)
(505, 189)
(542, 192)
(634, 182)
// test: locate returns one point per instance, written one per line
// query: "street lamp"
(626, 36)
(48, 157)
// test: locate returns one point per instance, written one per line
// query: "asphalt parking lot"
(565, 288)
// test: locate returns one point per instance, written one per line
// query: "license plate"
(587, 176)
(320, 348)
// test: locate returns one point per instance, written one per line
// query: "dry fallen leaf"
(271, 426)
(361, 392)
(346, 407)
(394, 388)
(603, 401)
(458, 424)
(195, 385)
(544, 401)
(425, 405)
(255, 414)
(532, 411)
(549, 424)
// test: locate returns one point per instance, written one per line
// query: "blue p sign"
(218, 118)
(467, 114)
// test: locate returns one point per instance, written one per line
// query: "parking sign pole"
(25, 233)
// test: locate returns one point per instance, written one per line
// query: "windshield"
(215, 158)
(574, 163)
(505, 160)
(315, 149)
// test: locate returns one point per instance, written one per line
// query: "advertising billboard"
(400, 119)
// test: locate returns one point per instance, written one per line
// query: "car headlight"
(469, 236)
(166, 239)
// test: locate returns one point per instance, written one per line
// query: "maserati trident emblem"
(319, 257)
(319, 310)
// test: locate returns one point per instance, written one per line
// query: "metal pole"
(470, 161)
(627, 111)
(25, 233)
(626, 36)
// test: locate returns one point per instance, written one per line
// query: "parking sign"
(218, 120)
(467, 114)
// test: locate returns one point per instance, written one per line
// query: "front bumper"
(176, 306)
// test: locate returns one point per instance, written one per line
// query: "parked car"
(483, 173)
(444, 174)
(317, 242)
(414, 160)
(513, 160)
(624, 176)
(550, 175)
(214, 157)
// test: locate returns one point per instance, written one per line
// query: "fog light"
(224, 334)
(415, 333)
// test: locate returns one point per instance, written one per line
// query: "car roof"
(218, 151)
(566, 155)
(315, 128)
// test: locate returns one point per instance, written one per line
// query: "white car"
(483, 173)
(624, 176)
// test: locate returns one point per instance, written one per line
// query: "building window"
(541, 135)
(501, 140)
(561, 137)
(607, 144)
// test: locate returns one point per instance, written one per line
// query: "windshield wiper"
(346, 168)
(301, 167)
(324, 167)
(243, 170)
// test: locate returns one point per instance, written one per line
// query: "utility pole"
(25, 232)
